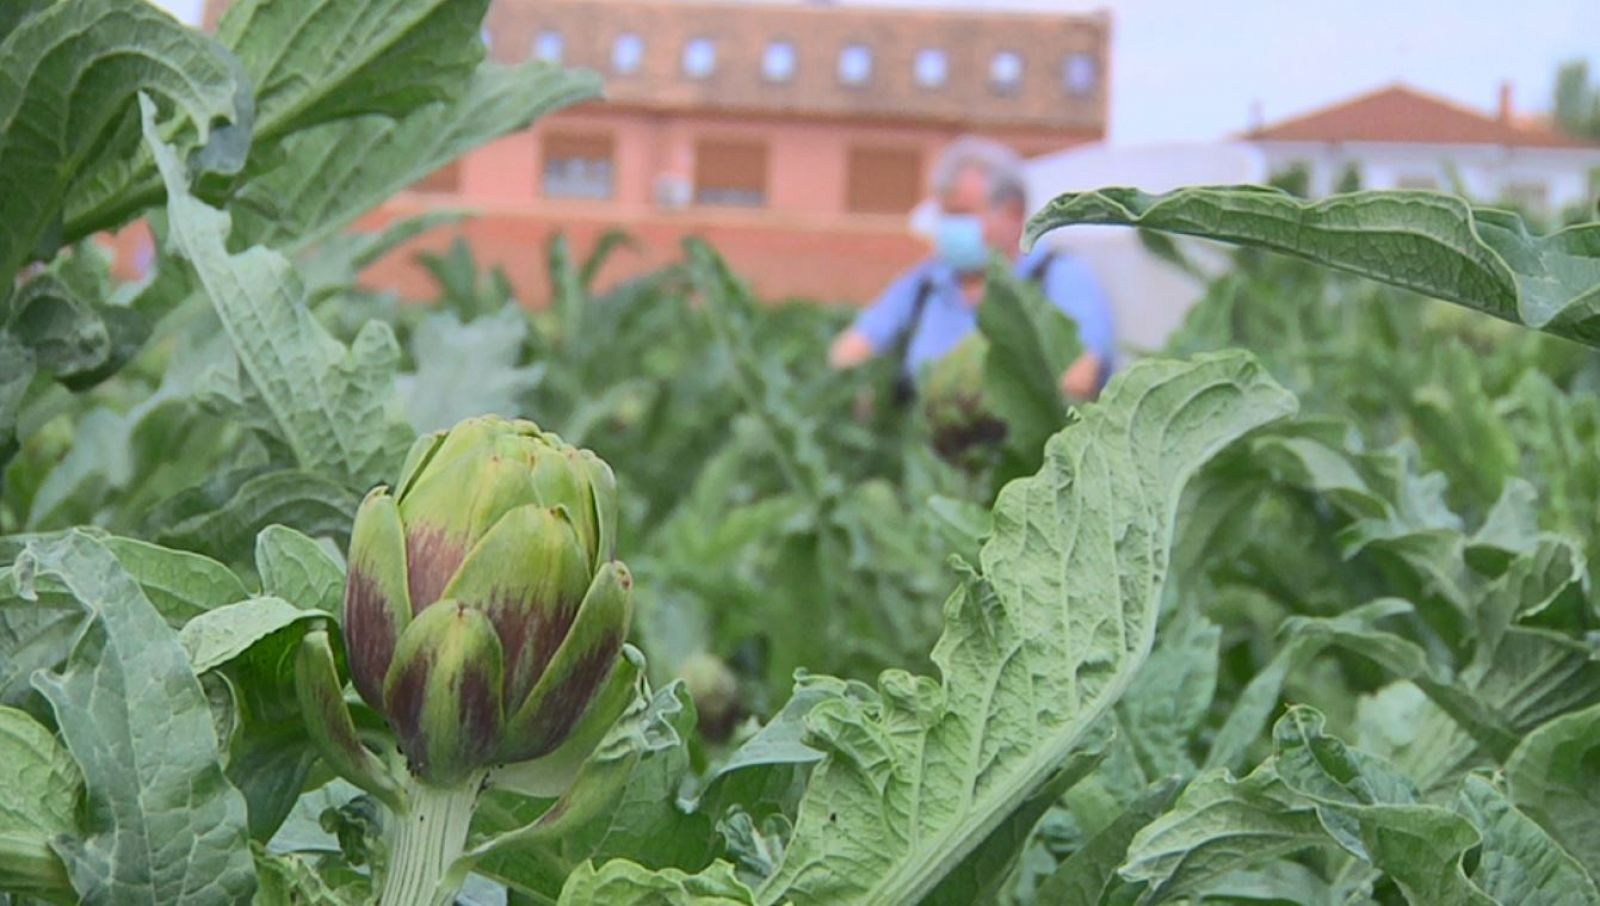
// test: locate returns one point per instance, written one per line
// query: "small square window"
(778, 62)
(627, 53)
(930, 67)
(1080, 73)
(855, 64)
(1005, 71)
(548, 46)
(699, 58)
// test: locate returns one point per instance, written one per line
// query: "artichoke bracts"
(965, 430)
(483, 611)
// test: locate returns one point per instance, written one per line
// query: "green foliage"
(1199, 649)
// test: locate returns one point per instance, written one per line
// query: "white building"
(1401, 138)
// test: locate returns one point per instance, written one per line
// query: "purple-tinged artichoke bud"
(483, 610)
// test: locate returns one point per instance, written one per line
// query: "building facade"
(1401, 138)
(795, 138)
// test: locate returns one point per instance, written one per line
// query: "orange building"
(795, 138)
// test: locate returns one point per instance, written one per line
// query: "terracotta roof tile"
(1399, 113)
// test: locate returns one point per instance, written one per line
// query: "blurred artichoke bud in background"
(715, 690)
(483, 611)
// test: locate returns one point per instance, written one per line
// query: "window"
(882, 180)
(1005, 71)
(485, 37)
(855, 64)
(445, 179)
(627, 53)
(930, 67)
(1417, 181)
(1080, 73)
(577, 165)
(778, 62)
(731, 173)
(699, 58)
(548, 46)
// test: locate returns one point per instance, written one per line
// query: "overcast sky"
(1190, 69)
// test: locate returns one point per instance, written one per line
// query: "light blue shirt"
(947, 319)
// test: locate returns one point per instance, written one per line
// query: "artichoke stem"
(427, 841)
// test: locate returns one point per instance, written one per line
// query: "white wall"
(1485, 171)
(1149, 296)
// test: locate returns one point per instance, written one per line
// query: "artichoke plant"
(484, 616)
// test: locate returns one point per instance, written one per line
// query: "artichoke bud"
(442, 694)
(483, 609)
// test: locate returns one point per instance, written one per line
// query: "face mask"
(958, 239)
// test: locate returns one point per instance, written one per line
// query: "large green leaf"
(1435, 244)
(1034, 649)
(68, 78)
(162, 824)
(1554, 776)
(36, 805)
(1520, 862)
(313, 61)
(299, 570)
(1031, 344)
(345, 168)
(623, 883)
(331, 406)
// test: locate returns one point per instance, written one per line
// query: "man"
(982, 206)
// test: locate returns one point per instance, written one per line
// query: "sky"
(1190, 70)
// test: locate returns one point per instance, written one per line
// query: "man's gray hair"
(999, 163)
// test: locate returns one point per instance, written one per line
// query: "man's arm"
(878, 325)
(1072, 288)
(850, 348)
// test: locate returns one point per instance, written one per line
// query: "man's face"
(1002, 223)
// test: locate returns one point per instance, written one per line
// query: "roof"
(1401, 114)
(1045, 44)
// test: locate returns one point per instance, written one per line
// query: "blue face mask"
(958, 239)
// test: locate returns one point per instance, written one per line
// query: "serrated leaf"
(467, 369)
(68, 76)
(163, 825)
(330, 405)
(297, 569)
(1434, 244)
(1033, 652)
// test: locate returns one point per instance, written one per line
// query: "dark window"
(731, 173)
(882, 180)
(577, 165)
